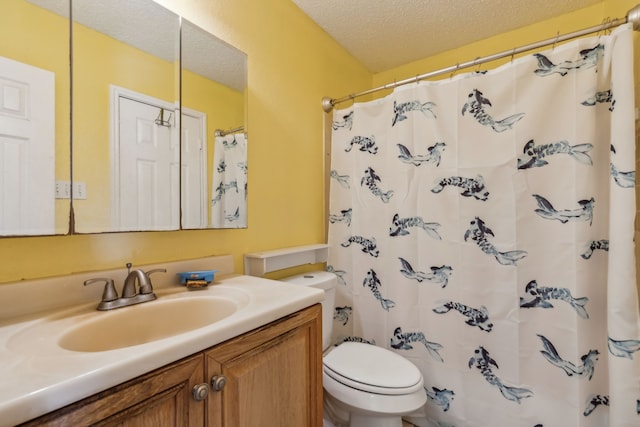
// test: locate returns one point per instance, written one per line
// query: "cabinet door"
(160, 398)
(273, 375)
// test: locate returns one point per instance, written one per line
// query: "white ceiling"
(384, 34)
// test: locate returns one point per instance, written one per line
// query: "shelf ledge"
(259, 263)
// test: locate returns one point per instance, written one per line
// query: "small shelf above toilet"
(259, 263)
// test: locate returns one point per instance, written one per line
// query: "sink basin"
(84, 329)
(146, 322)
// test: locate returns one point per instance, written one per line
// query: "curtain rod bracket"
(633, 16)
(327, 104)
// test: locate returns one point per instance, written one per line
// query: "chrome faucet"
(129, 287)
(129, 296)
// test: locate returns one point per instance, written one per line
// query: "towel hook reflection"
(161, 121)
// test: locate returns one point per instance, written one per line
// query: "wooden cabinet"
(272, 376)
(160, 398)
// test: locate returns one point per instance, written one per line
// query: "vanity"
(257, 358)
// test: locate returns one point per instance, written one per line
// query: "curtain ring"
(513, 54)
(606, 26)
(417, 78)
(605, 23)
(556, 40)
(478, 65)
(453, 73)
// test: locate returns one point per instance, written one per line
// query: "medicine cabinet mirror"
(34, 118)
(126, 148)
(150, 90)
(133, 167)
(214, 138)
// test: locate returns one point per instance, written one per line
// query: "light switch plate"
(63, 190)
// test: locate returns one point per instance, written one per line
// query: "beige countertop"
(39, 376)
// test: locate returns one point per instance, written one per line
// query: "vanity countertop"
(38, 376)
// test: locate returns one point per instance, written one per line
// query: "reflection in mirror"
(34, 118)
(214, 168)
(229, 202)
(125, 127)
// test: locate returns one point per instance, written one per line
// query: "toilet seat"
(366, 367)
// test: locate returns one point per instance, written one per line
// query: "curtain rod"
(220, 132)
(633, 16)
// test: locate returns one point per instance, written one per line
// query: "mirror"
(126, 120)
(34, 118)
(214, 138)
(125, 116)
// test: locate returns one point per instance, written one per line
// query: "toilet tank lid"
(317, 279)
(372, 365)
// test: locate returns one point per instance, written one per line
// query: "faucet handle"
(146, 288)
(156, 270)
(109, 293)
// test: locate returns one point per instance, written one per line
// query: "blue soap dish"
(206, 275)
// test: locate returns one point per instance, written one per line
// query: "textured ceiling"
(383, 34)
(150, 27)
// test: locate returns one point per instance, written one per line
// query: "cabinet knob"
(200, 391)
(218, 382)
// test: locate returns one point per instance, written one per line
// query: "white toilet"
(364, 385)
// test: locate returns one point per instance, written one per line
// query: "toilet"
(364, 385)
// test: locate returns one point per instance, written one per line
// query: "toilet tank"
(327, 282)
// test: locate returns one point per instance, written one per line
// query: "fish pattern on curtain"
(482, 227)
(229, 182)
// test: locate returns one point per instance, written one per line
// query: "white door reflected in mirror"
(146, 154)
(27, 149)
(194, 195)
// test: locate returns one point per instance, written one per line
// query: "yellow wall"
(292, 65)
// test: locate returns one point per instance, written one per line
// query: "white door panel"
(194, 169)
(27, 149)
(147, 154)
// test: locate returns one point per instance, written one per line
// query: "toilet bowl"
(364, 385)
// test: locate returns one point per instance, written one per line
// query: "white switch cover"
(80, 190)
(63, 190)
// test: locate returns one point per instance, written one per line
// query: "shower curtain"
(229, 182)
(482, 226)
